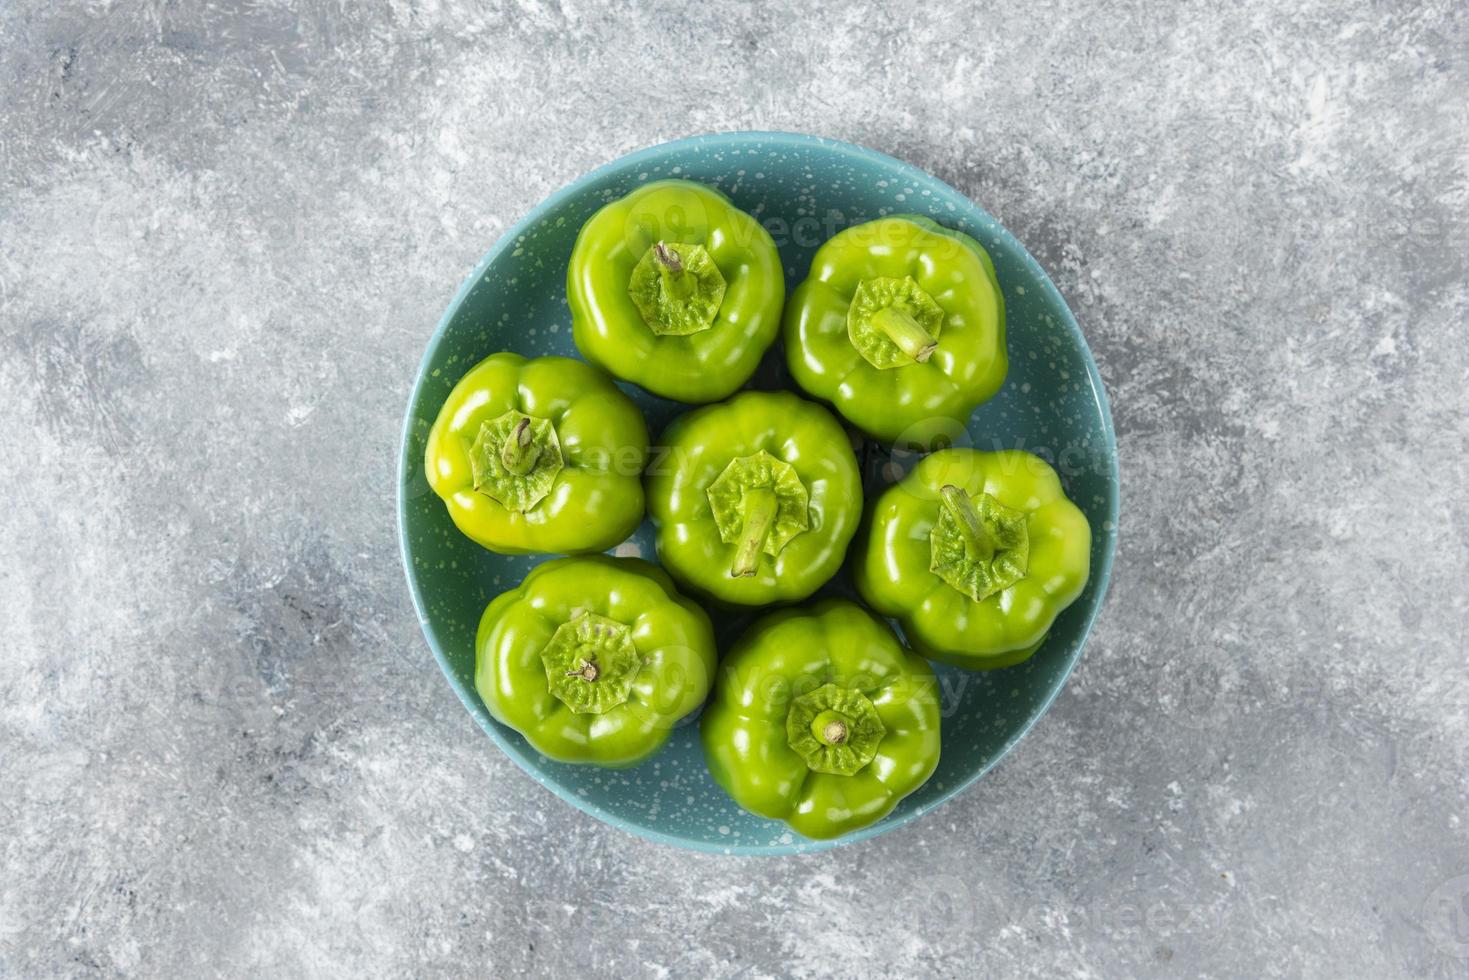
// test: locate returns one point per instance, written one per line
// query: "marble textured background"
(226, 231)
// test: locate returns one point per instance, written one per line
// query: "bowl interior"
(804, 190)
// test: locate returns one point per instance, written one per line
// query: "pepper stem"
(757, 507)
(977, 538)
(671, 271)
(900, 327)
(667, 257)
(588, 671)
(830, 728)
(519, 453)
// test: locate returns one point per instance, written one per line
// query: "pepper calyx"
(978, 545)
(677, 288)
(758, 504)
(515, 459)
(893, 322)
(835, 729)
(591, 663)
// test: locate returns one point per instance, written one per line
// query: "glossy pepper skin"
(975, 554)
(900, 325)
(594, 659)
(821, 718)
(567, 480)
(755, 499)
(675, 289)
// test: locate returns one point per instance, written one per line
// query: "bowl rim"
(521, 754)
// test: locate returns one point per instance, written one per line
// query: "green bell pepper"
(594, 659)
(901, 326)
(675, 289)
(542, 455)
(821, 718)
(975, 554)
(755, 499)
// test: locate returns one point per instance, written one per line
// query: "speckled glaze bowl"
(803, 189)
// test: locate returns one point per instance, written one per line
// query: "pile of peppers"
(823, 715)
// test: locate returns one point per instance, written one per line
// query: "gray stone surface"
(225, 234)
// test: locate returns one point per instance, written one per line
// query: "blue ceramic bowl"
(803, 189)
